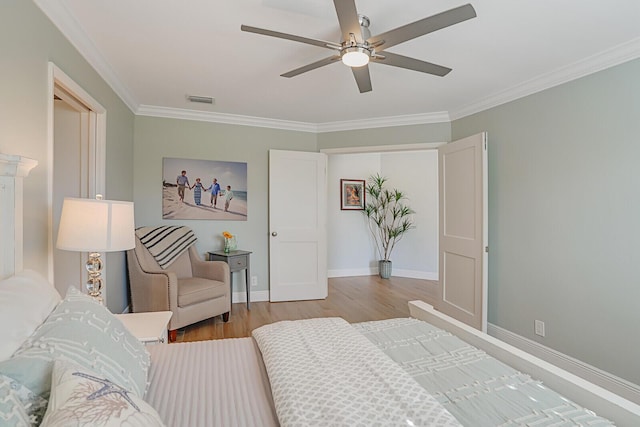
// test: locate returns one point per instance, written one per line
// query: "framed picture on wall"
(204, 189)
(352, 194)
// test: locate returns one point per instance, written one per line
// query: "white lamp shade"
(88, 225)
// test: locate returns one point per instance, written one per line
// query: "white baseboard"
(411, 274)
(590, 373)
(256, 296)
(352, 272)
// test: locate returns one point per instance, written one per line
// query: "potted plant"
(388, 218)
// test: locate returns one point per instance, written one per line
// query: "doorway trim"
(383, 148)
(386, 149)
(97, 147)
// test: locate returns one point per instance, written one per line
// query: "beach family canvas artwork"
(204, 189)
(352, 194)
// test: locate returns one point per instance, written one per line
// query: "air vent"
(201, 99)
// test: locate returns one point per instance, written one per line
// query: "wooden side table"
(149, 327)
(238, 261)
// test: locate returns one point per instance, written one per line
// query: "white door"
(462, 291)
(297, 226)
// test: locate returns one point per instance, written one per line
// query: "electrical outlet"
(539, 327)
(254, 281)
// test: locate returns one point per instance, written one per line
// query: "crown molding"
(234, 119)
(231, 119)
(609, 58)
(69, 27)
(383, 122)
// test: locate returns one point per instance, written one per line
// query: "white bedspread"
(324, 373)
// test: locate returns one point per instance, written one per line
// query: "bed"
(468, 382)
(69, 361)
(79, 362)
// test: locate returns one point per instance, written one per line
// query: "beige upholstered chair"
(192, 289)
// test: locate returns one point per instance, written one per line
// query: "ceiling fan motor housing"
(364, 26)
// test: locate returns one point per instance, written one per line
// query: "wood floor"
(356, 299)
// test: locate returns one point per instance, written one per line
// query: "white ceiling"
(155, 52)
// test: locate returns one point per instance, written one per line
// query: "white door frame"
(434, 146)
(97, 149)
(383, 148)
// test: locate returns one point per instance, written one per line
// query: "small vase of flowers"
(229, 242)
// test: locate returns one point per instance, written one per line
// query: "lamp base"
(94, 283)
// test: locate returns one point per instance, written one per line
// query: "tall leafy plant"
(389, 218)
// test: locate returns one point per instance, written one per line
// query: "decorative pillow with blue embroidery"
(80, 397)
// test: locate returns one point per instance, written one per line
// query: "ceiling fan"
(358, 47)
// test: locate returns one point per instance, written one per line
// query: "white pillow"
(81, 397)
(26, 299)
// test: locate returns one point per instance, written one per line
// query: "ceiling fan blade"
(348, 19)
(422, 27)
(312, 66)
(314, 42)
(362, 78)
(396, 60)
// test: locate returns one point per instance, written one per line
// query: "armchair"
(192, 289)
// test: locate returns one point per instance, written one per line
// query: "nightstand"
(149, 328)
(238, 261)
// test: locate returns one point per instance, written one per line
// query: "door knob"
(274, 234)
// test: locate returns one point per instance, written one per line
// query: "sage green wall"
(156, 138)
(397, 135)
(28, 41)
(564, 215)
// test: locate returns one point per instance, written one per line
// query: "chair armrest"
(214, 270)
(151, 290)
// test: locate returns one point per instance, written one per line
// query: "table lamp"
(94, 226)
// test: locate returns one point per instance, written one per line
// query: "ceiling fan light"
(355, 57)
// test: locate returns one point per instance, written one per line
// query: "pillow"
(80, 397)
(85, 332)
(26, 299)
(12, 410)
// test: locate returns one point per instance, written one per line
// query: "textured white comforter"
(324, 373)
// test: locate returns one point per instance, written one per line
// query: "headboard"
(12, 171)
